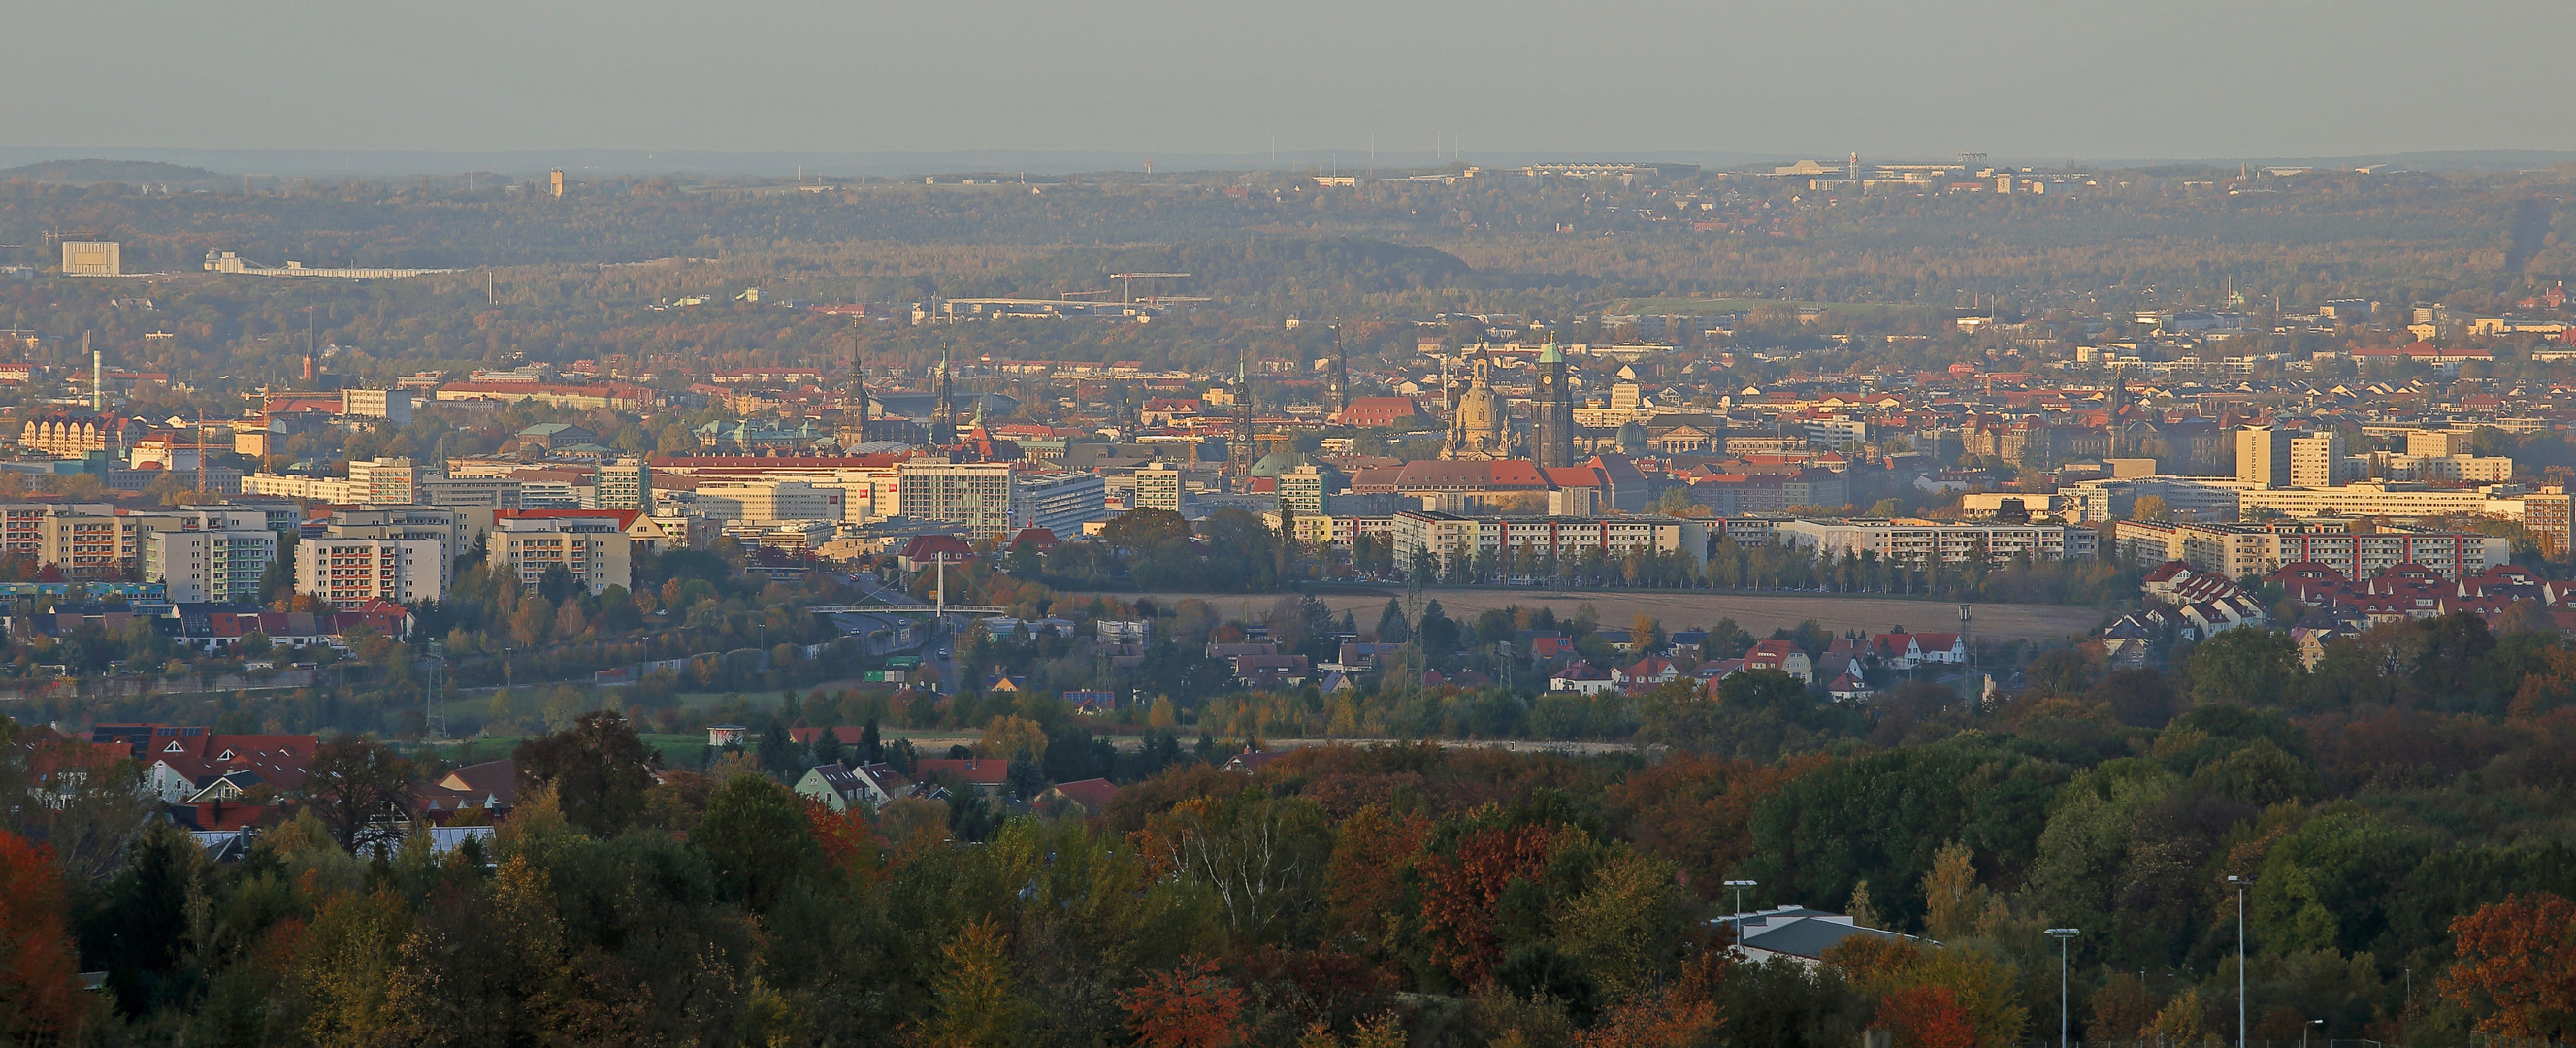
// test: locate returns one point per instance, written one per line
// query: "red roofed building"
(1379, 412)
(922, 551)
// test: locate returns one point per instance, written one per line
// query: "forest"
(2401, 833)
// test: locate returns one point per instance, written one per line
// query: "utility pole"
(2061, 935)
(1739, 887)
(2241, 884)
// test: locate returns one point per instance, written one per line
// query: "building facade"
(348, 572)
(1908, 541)
(219, 565)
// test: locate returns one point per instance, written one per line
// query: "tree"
(758, 840)
(360, 789)
(2517, 966)
(1185, 1007)
(976, 999)
(40, 995)
(2246, 666)
(1140, 529)
(599, 769)
(1391, 627)
(1926, 1017)
(2150, 507)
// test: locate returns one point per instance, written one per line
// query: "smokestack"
(97, 377)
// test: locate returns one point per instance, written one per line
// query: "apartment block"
(1444, 536)
(2317, 460)
(1158, 487)
(625, 484)
(223, 564)
(592, 546)
(1909, 541)
(2358, 549)
(975, 494)
(451, 529)
(392, 405)
(2263, 456)
(1061, 502)
(348, 572)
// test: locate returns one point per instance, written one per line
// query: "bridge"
(230, 262)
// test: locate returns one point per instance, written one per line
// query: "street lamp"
(2303, 1031)
(1739, 887)
(2062, 935)
(2241, 884)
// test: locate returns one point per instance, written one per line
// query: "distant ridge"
(151, 166)
(132, 172)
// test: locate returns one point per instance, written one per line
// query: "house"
(491, 785)
(1948, 649)
(1272, 671)
(724, 735)
(987, 777)
(1896, 651)
(1091, 796)
(922, 551)
(841, 787)
(1251, 761)
(1581, 678)
(1092, 703)
(1783, 656)
(1797, 933)
(212, 767)
(1847, 688)
(1618, 640)
(1651, 670)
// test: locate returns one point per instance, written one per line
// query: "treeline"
(2395, 852)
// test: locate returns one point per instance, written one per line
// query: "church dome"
(1632, 437)
(1480, 411)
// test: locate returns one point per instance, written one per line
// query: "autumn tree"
(976, 1003)
(361, 790)
(1926, 1017)
(2517, 966)
(1186, 1007)
(40, 996)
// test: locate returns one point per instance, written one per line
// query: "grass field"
(1758, 613)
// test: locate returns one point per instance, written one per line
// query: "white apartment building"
(392, 405)
(1158, 487)
(2377, 500)
(975, 494)
(1910, 541)
(453, 530)
(220, 561)
(381, 482)
(468, 492)
(2358, 549)
(625, 484)
(593, 547)
(348, 572)
(2317, 460)
(768, 502)
(1448, 535)
(2263, 456)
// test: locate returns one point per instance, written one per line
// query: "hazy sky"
(2017, 78)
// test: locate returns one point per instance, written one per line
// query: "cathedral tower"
(1552, 404)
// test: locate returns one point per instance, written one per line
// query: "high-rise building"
(625, 484)
(2316, 461)
(220, 561)
(2547, 518)
(348, 572)
(593, 547)
(1553, 405)
(451, 529)
(1158, 487)
(1303, 488)
(383, 481)
(767, 502)
(93, 258)
(975, 494)
(2263, 456)
(1061, 502)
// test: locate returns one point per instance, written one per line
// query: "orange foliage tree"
(1697, 812)
(1460, 891)
(40, 1000)
(1926, 1017)
(1186, 1007)
(2517, 966)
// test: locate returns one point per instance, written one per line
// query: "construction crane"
(1126, 283)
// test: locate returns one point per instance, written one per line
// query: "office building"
(768, 502)
(93, 258)
(349, 572)
(391, 405)
(1450, 538)
(1059, 502)
(469, 492)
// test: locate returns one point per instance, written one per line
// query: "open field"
(1758, 613)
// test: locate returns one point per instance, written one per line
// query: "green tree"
(2246, 666)
(599, 769)
(757, 839)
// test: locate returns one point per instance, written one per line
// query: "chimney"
(97, 379)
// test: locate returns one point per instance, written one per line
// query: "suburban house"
(987, 777)
(1582, 678)
(841, 787)
(1092, 796)
(1783, 656)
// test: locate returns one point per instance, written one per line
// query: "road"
(939, 653)
(1756, 612)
